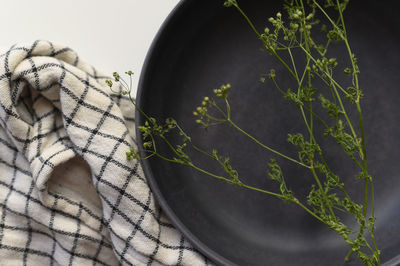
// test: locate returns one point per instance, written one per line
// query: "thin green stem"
(210, 174)
(220, 110)
(169, 145)
(248, 20)
(316, 178)
(137, 107)
(310, 212)
(323, 71)
(296, 201)
(294, 66)
(283, 62)
(307, 108)
(216, 119)
(228, 109)
(266, 147)
(326, 15)
(310, 132)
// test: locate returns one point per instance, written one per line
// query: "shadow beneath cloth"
(72, 179)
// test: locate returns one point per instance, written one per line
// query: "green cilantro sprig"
(328, 199)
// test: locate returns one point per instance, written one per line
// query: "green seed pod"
(347, 71)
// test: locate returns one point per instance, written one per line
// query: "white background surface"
(112, 35)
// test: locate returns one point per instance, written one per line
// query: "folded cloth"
(68, 196)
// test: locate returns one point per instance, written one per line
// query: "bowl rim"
(176, 222)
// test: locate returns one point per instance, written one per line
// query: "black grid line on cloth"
(51, 223)
(38, 97)
(180, 256)
(137, 202)
(24, 100)
(63, 50)
(69, 92)
(54, 195)
(145, 210)
(76, 61)
(59, 64)
(122, 190)
(94, 72)
(3, 214)
(7, 67)
(9, 112)
(94, 131)
(146, 207)
(25, 251)
(28, 54)
(29, 240)
(25, 147)
(100, 246)
(99, 176)
(14, 92)
(14, 48)
(32, 251)
(99, 133)
(39, 141)
(157, 247)
(25, 172)
(78, 229)
(92, 107)
(47, 162)
(136, 227)
(141, 229)
(5, 75)
(52, 50)
(119, 97)
(113, 161)
(128, 196)
(31, 230)
(9, 146)
(35, 74)
(56, 211)
(29, 140)
(80, 101)
(48, 87)
(45, 115)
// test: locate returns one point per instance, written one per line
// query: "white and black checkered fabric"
(68, 196)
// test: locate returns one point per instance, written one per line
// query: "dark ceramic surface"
(203, 45)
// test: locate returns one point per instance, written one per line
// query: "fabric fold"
(53, 108)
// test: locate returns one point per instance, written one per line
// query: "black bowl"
(203, 45)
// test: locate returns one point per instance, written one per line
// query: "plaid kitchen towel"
(68, 196)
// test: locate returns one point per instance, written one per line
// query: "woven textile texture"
(68, 196)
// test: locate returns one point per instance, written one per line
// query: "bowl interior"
(204, 45)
